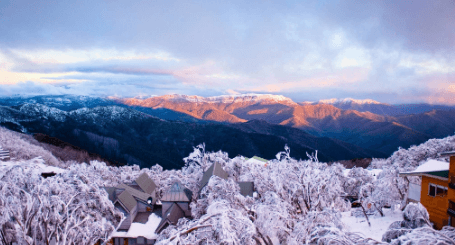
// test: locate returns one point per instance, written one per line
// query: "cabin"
(175, 205)
(136, 201)
(437, 190)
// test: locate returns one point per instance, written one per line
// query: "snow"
(253, 160)
(379, 225)
(146, 230)
(373, 172)
(39, 166)
(348, 101)
(431, 166)
(230, 98)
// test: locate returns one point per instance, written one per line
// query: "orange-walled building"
(437, 190)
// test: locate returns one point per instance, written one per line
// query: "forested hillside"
(126, 136)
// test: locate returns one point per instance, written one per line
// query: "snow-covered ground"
(37, 164)
(379, 225)
(373, 172)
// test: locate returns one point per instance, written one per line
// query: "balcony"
(451, 210)
(452, 182)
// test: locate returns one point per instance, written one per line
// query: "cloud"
(343, 48)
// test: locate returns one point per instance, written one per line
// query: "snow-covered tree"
(222, 224)
(67, 206)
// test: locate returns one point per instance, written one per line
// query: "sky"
(390, 51)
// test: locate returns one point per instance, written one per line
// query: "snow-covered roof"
(146, 230)
(429, 166)
(257, 160)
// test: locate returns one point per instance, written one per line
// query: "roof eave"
(447, 153)
(424, 174)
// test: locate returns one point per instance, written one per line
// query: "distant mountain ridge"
(125, 135)
(365, 123)
(382, 108)
(335, 101)
(62, 102)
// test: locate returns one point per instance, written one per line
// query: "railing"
(452, 182)
(4, 155)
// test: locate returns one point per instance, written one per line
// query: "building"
(215, 170)
(246, 188)
(175, 205)
(136, 201)
(257, 160)
(437, 190)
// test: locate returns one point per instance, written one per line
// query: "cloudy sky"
(391, 51)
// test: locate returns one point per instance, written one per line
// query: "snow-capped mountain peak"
(348, 101)
(229, 98)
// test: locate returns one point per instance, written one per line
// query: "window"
(140, 240)
(437, 190)
(432, 191)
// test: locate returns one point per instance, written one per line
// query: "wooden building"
(136, 200)
(437, 190)
(175, 205)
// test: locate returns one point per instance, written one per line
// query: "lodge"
(436, 191)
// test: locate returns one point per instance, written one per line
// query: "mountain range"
(163, 129)
(392, 126)
(124, 135)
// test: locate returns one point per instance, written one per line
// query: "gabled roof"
(177, 193)
(142, 196)
(127, 201)
(431, 168)
(246, 188)
(215, 169)
(172, 216)
(145, 183)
